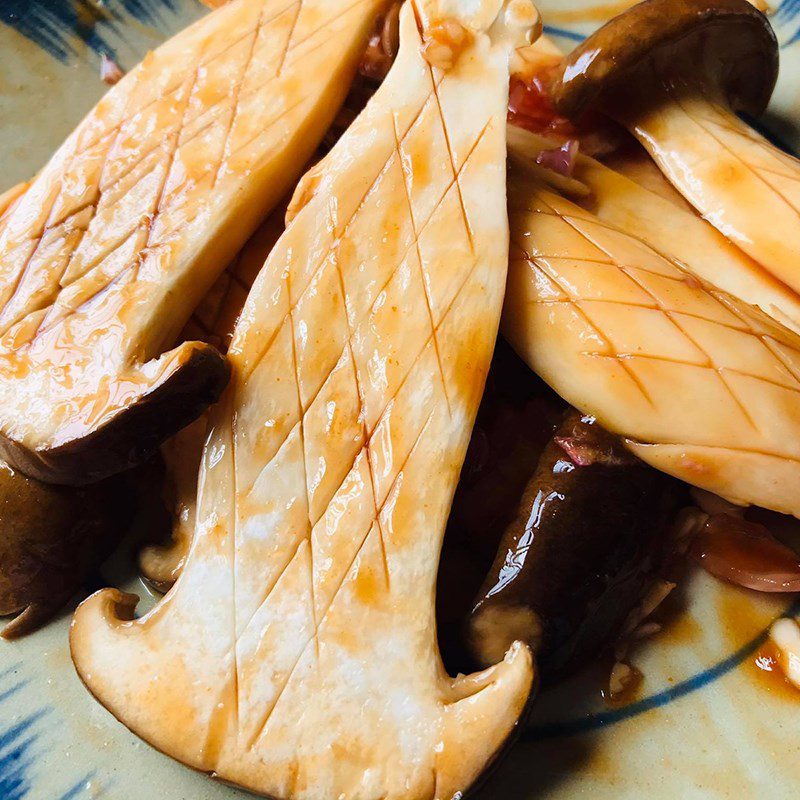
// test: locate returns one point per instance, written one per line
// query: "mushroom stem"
(743, 185)
(305, 611)
(676, 73)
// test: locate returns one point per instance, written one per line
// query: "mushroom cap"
(133, 430)
(729, 42)
(53, 538)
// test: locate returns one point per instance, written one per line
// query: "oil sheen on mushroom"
(647, 215)
(111, 247)
(698, 383)
(298, 648)
(578, 553)
(677, 73)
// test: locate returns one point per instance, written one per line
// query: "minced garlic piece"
(110, 71)
(445, 40)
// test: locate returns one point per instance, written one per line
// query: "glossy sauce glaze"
(580, 552)
(767, 672)
(358, 366)
(519, 415)
(122, 233)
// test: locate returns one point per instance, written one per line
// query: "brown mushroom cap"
(131, 434)
(728, 45)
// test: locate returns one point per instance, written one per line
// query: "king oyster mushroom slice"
(213, 321)
(700, 385)
(9, 198)
(118, 238)
(646, 215)
(298, 647)
(675, 72)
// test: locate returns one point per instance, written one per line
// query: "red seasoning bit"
(583, 452)
(579, 454)
(746, 554)
(110, 71)
(530, 107)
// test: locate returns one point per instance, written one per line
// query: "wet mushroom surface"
(513, 362)
(110, 248)
(579, 553)
(627, 191)
(619, 330)
(677, 74)
(557, 548)
(320, 582)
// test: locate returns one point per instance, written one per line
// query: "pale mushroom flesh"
(700, 384)
(358, 365)
(111, 247)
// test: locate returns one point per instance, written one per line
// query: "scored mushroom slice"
(643, 213)
(213, 322)
(676, 73)
(298, 646)
(119, 237)
(701, 385)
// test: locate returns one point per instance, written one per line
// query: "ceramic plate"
(706, 722)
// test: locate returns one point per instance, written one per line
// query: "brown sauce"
(631, 692)
(740, 620)
(681, 628)
(765, 668)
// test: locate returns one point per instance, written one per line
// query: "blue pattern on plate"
(787, 10)
(565, 33)
(590, 722)
(55, 24)
(17, 746)
(785, 13)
